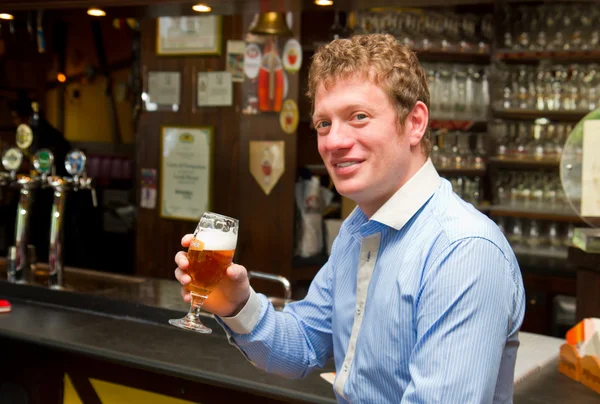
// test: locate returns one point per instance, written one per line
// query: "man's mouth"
(346, 164)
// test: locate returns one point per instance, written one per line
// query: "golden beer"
(209, 255)
(207, 267)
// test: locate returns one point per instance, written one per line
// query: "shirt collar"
(403, 205)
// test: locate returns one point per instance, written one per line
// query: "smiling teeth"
(348, 164)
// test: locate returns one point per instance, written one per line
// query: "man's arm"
(470, 301)
(289, 343)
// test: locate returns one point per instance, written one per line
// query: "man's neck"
(370, 207)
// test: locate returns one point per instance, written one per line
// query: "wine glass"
(210, 254)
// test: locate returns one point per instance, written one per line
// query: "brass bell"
(271, 23)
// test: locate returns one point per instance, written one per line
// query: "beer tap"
(12, 160)
(75, 165)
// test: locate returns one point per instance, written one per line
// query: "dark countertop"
(550, 386)
(158, 348)
(123, 320)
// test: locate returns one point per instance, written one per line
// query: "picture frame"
(186, 171)
(189, 35)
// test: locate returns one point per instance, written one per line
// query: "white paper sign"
(164, 88)
(186, 172)
(590, 169)
(215, 89)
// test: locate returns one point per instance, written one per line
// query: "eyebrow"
(345, 108)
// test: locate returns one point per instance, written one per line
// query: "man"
(422, 298)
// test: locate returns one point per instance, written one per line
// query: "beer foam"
(217, 240)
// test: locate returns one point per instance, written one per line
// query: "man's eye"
(360, 116)
(322, 124)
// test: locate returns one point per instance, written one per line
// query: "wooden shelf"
(458, 124)
(558, 55)
(429, 55)
(541, 252)
(532, 114)
(528, 163)
(461, 172)
(453, 56)
(559, 215)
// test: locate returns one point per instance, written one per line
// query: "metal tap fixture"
(75, 165)
(12, 160)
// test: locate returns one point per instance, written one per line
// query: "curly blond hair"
(382, 59)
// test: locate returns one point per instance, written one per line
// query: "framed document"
(215, 89)
(163, 91)
(186, 172)
(193, 35)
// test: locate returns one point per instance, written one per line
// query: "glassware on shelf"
(423, 29)
(547, 87)
(550, 27)
(515, 235)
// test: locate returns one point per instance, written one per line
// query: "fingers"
(185, 294)
(237, 273)
(182, 277)
(181, 260)
(186, 240)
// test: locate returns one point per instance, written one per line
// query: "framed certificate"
(193, 35)
(186, 172)
(163, 91)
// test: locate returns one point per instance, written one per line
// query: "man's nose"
(338, 138)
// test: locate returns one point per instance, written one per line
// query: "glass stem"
(196, 305)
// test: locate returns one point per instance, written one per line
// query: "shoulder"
(459, 220)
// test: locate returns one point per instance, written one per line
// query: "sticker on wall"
(24, 136)
(288, 117)
(148, 196)
(235, 60)
(252, 57)
(292, 56)
(267, 163)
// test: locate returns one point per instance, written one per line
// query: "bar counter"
(114, 328)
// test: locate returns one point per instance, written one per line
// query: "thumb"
(237, 273)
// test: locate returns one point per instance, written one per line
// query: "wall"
(266, 222)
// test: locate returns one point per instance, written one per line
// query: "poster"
(186, 172)
(266, 83)
(214, 89)
(267, 163)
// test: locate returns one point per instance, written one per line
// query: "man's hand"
(228, 297)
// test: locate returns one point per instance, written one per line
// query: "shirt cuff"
(245, 321)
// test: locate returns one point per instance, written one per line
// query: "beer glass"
(210, 254)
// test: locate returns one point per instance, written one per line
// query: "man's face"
(366, 151)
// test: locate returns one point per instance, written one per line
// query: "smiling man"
(422, 298)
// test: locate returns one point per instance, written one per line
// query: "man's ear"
(416, 123)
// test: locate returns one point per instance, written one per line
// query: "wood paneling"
(266, 222)
(159, 239)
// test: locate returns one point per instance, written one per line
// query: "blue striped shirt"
(420, 304)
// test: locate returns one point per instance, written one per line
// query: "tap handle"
(75, 162)
(43, 162)
(12, 160)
